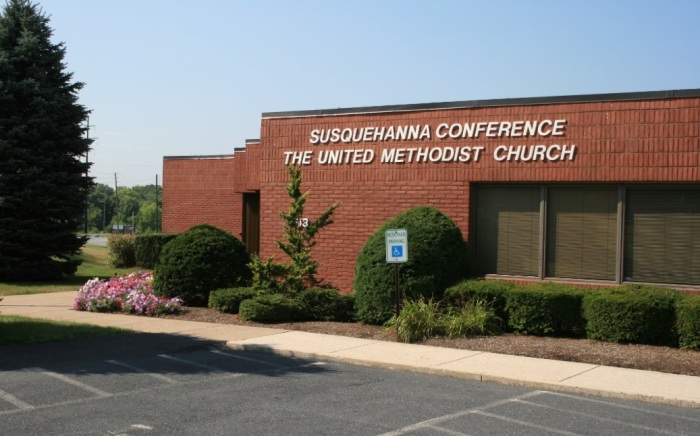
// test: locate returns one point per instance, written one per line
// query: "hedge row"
(632, 313)
(688, 322)
(148, 247)
(628, 313)
(317, 304)
(126, 251)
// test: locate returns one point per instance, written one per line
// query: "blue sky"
(175, 77)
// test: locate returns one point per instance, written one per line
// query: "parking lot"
(165, 384)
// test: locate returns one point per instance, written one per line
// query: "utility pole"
(157, 214)
(87, 171)
(104, 216)
(116, 200)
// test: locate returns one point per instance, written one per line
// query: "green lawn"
(22, 330)
(94, 265)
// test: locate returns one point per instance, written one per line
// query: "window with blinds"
(662, 235)
(581, 232)
(507, 230)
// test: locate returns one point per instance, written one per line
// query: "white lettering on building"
(436, 154)
(531, 153)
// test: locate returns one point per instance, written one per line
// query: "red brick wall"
(616, 142)
(633, 141)
(201, 190)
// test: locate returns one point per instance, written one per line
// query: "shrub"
(121, 251)
(688, 321)
(417, 321)
(320, 304)
(437, 258)
(148, 248)
(269, 308)
(491, 292)
(421, 319)
(229, 300)
(545, 309)
(202, 259)
(475, 317)
(631, 313)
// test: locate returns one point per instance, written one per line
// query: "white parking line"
(14, 400)
(143, 371)
(598, 417)
(65, 379)
(525, 423)
(623, 406)
(430, 422)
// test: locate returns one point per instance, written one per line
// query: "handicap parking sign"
(396, 245)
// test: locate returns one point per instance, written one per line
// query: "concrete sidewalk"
(552, 375)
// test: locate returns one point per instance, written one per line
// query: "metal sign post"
(397, 253)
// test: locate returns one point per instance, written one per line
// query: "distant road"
(98, 240)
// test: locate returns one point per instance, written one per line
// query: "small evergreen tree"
(43, 180)
(299, 235)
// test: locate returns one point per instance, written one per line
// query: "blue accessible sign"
(396, 245)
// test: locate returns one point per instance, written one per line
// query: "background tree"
(100, 207)
(148, 217)
(129, 204)
(43, 178)
(137, 201)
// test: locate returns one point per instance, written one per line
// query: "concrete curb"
(540, 385)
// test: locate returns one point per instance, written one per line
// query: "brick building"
(592, 188)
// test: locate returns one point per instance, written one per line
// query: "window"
(662, 236)
(582, 232)
(508, 230)
(584, 235)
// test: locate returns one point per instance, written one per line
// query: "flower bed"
(132, 293)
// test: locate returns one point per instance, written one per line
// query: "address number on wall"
(303, 222)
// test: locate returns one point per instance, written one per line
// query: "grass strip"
(16, 329)
(94, 265)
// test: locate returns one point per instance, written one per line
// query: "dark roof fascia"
(252, 141)
(528, 101)
(199, 157)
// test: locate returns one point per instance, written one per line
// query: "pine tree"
(43, 180)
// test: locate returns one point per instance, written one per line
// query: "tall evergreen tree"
(43, 178)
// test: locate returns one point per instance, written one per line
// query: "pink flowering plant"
(132, 293)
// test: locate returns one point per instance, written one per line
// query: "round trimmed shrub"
(202, 259)
(437, 258)
(632, 313)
